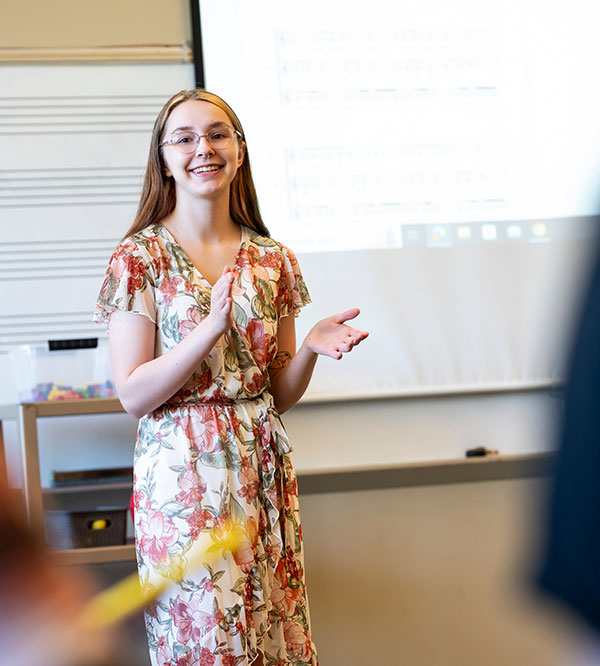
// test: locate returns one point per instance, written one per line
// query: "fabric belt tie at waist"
(229, 403)
(271, 421)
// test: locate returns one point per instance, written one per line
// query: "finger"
(357, 335)
(354, 340)
(223, 286)
(225, 282)
(345, 316)
(226, 276)
(221, 298)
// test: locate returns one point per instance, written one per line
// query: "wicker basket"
(86, 529)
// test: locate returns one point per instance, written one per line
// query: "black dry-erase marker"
(480, 452)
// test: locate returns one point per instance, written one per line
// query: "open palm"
(333, 337)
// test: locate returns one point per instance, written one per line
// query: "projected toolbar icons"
(463, 233)
(460, 234)
(412, 235)
(439, 235)
(514, 231)
(489, 232)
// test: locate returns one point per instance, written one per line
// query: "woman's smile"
(206, 169)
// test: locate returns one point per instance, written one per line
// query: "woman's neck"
(201, 220)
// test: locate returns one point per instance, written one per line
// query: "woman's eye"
(185, 138)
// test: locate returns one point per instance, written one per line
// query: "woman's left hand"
(332, 337)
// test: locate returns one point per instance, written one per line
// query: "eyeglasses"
(187, 142)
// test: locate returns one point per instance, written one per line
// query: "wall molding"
(150, 53)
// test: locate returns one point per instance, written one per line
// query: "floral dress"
(217, 451)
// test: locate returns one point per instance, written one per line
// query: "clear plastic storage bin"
(62, 370)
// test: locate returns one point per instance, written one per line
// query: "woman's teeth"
(205, 169)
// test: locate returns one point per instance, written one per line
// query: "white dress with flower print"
(216, 452)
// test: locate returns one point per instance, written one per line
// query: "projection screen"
(434, 163)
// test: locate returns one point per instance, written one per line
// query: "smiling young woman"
(158, 192)
(200, 303)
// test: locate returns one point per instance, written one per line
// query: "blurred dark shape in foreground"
(41, 603)
(571, 554)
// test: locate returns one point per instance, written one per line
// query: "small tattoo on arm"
(281, 360)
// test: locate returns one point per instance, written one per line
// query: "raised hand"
(221, 302)
(332, 337)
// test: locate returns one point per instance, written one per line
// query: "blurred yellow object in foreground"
(127, 596)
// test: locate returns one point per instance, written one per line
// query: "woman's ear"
(242, 153)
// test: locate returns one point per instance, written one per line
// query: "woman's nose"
(204, 148)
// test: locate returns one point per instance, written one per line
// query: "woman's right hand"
(221, 303)
(144, 381)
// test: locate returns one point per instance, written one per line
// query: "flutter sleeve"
(128, 284)
(292, 293)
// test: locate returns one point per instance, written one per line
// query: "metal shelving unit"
(26, 414)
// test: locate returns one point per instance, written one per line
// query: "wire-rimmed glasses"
(187, 141)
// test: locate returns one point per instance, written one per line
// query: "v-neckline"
(173, 240)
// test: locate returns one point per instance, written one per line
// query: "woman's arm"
(144, 382)
(291, 371)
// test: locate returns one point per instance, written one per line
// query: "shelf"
(102, 555)
(63, 407)
(87, 488)
(426, 473)
(26, 414)
(75, 407)
(310, 480)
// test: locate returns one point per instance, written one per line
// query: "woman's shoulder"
(147, 242)
(266, 244)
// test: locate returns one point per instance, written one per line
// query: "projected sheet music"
(364, 119)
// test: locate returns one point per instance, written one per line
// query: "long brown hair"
(158, 192)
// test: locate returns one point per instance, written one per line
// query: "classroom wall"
(432, 576)
(85, 23)
(426, 576)
(421, 576)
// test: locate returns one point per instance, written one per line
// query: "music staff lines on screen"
(437, 180)
(413, 96)
(401, 38)
(451, 67)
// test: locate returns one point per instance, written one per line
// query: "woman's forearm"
(144, 382)
(290, 383)
(152, 383)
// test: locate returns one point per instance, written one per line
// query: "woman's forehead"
(195, 113)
